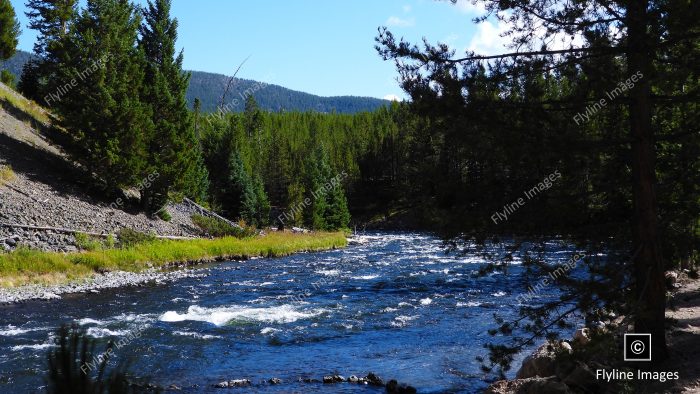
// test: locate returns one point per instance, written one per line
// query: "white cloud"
(487, 40)
(468, 7)
(392, 97)
(395, 21)
(407, 8)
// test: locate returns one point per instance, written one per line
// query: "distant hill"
(209, 87)
(15, 63)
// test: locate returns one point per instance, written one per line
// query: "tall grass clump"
(75, 367)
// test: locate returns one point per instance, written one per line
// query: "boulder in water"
(233, 383)
(333, 379)
(395, 387)
(374, 380)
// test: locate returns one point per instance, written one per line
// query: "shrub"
(7, 78)
(219, 228)
(109, 242)
(164, 215)
(6, 174)
(128, 237)
(85, 242)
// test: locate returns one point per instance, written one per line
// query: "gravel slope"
(48, 192)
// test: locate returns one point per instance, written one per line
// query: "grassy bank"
(30, 109)
(23, 267)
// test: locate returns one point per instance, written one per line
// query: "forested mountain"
(15, 63)
(209, 87)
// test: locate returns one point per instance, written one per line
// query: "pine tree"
(317, 174)
(52, 19)
(173, 149)
(104, 110)
(239, 194)
(9, 30)
(29, 84)
(338, 215)
(252, 124)
(262, 204)
(295, 204)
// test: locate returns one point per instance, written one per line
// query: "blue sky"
(324, 48)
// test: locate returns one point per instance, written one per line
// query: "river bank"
(550, 368)
(29, 274)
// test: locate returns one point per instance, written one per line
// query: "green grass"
(29, 107)
(24, 266)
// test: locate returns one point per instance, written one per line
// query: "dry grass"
(27, 106)
(6, 175)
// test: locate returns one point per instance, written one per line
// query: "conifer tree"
(104, 110)
(317, 174)
(239, 193)
(295, 203)
(173, 149)
(52, 19)
(338, 215)
(9, 30)
(262, 204)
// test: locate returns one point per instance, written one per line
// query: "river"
(397, 306)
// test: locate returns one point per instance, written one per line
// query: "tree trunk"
(648, 266)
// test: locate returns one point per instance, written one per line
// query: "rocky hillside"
(40, 187)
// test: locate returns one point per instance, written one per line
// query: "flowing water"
(397, 306)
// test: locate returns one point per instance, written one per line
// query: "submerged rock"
(274, 381)
(395, 387)
(374, 380)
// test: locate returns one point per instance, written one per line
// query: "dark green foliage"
(365, 155)
(128, 237)
(239, 198)
(164, 215)
(7, 78)
(173, 149)
(52, 20)
(105, 112)
(9, 30)
(262, 204)
(29, 83)
(218, 228)
(329, 209)
(338, 215)
(488, 131)
(75, 367)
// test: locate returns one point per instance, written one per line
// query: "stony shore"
(95, 284)
(545, 372)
